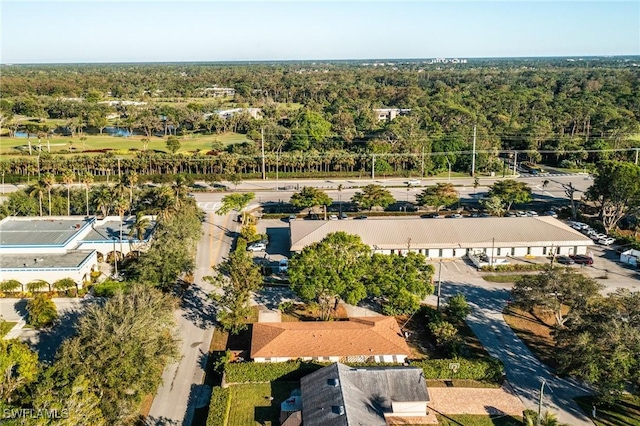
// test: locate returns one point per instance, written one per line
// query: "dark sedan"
(581, 259)
(565, 260)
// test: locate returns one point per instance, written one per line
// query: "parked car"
(532, 214)
(565, 260)
(431, 215)
(283, 265)
(484, 215)
(343, 215)
(598, 237)
(259, 246)
(551, 213)
(582, 259)
(607, 241)
(361, 217)
(292, 217)
(521, 214)
(333, 217)
(511, 214)
(454, 216)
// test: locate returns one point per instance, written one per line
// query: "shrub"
(458, 308)
(219, 407)
(486, 369)
(287, 307)
(108, 288)
(514, 267)
(246, 372)
(42, 311)
(446, 335)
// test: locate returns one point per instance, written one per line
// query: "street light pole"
(115, 258)
(439, 283)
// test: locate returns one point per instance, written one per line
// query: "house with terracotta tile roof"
(364, 339)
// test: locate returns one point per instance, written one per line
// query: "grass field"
(624, 412)
(250, 403)
(535, 332)
(477, 420)
(75, 145)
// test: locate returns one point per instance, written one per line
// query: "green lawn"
(625, 412)
(61, 144)
(250, 404)
(477, 420)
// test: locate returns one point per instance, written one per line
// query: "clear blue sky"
(150, 31)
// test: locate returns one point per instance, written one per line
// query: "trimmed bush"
(108, 288)
(219, 407)
(513, 267)
(487, 369)
(247, 372)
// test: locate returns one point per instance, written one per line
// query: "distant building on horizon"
(388, 114)
(218, 92)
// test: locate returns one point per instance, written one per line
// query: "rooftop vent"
(338, 409)
(333, 382)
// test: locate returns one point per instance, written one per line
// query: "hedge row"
(245, 372)
(513, 267)
(486, 369)
(219, 407)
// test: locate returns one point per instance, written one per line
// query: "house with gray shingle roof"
(339, 395)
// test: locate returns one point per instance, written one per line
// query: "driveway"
(523, 370)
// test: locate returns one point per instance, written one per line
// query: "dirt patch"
(535, 330)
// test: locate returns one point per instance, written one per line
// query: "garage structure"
(451, 237)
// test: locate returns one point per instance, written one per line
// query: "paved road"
(182, 390)
(524, 371)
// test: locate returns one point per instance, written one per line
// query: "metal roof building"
(448, 238)
(54, 247)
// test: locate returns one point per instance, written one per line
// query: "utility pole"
(373, 166)
(473, 159)
(422, 168)
(637, 150)
(119, 171)
(493, 249)
(264, 173)
(515, 161)
(439, 283)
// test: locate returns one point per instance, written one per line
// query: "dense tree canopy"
(510, 191)
(438, 196)
(554, 290)
(616, 190)
(372, 196)
(310, 196)
(235, 279)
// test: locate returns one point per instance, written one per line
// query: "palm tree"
(49, 180)
(38, 188)
(180, 186)
(139, 227)
(104, 200)
(10, 286)
(121, 205)
(68, 177)
(132, 180)
(87, 180)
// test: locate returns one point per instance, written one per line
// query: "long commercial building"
(451, 237)
(55, 247)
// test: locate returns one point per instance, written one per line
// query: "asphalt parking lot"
(278, 248)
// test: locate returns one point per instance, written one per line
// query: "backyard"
(258, 403)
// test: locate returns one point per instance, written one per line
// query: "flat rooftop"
(110, 230)
(41, 231)
(70, 259)
(388, 234)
